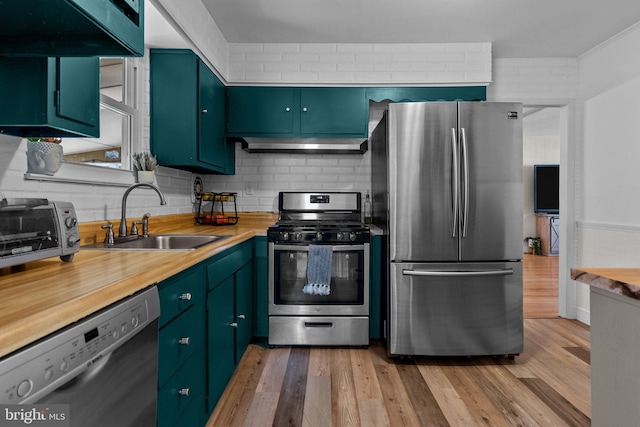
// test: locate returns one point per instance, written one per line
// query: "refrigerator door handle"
(470, 273)
(456, 185)
(465, 163)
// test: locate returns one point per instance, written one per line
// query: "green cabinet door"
(187, 113)
(261, 287)
(244, 309)
(261, 110)
(72, 28)
(50, 97)
(287, 112)
(221, 338)
(212, 147)
(342, 111)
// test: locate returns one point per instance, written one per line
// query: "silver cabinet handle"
(233, 324)
(304, 109)
(205, 111)
(436, 273)
(186, 296)
(287, 109)
(184, 392)
(184, 341)
(241, 316)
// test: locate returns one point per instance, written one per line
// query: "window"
(119, 118)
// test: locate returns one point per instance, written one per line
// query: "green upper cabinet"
(340, 111)
(286, 112)
(261, 110)
(187, 114)
(50, 97)
(72, 28)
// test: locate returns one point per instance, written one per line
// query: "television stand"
(548, 229)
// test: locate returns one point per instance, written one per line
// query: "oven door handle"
(305, 247)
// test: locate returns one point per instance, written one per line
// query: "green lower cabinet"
(181, 349)
(261, 288)
(221, 339)
(375, 287)
(229, 315)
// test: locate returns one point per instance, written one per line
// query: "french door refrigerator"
(447, 191)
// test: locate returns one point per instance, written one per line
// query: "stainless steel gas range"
(319, 271)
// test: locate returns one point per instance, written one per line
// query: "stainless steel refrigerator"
(447, 191)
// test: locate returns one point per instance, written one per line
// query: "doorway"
(542, 145)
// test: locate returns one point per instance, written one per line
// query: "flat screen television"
(546, 189)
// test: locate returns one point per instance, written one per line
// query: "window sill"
(75, 173)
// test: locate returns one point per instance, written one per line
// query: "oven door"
(349, 281)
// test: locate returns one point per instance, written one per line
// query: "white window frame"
(84, 173)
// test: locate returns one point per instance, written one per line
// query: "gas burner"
(319, 218)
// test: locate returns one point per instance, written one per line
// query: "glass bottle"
(367, 209)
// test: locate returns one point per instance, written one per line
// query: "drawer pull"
(241, 316)
(184, 392)
(186, 296)
(233, 324)
(184, 341)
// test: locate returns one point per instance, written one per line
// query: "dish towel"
(318, 270)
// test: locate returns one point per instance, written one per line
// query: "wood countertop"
(623, 281)
(40, 297)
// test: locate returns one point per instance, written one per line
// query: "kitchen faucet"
(123, 218)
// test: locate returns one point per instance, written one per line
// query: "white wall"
(607, 220)
(362, 63)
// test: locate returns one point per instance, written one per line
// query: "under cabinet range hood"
(305, 145)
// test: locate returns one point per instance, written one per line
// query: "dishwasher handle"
(469, 273)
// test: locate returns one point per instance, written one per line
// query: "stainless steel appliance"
(338, 315)
(104, 367)
(447, 187)
(33, 229)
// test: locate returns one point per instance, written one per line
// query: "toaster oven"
(33, 229)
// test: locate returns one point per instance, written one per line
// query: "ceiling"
(516, 28)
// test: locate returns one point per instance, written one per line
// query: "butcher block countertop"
(623, 281)
(43, 296)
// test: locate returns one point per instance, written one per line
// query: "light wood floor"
(547, 385)
(540, 286)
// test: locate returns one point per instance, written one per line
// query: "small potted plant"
(534, 245)
(145, 164)
(44, 155)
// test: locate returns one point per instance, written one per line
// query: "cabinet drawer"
(222, 268)
(179, 293)
(171, 403)
(177, 341)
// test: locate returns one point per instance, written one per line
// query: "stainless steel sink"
(161, 242)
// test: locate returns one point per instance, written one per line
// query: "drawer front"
(225, 266)
(177, 341)
(171, 401)
(179, 293)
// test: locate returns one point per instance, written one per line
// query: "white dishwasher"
(98, 372)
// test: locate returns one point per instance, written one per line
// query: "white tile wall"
(373, 64)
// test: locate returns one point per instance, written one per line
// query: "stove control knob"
(285, 235)
(352, 236)
(298, 236)
(340, 235)
(318, 236)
